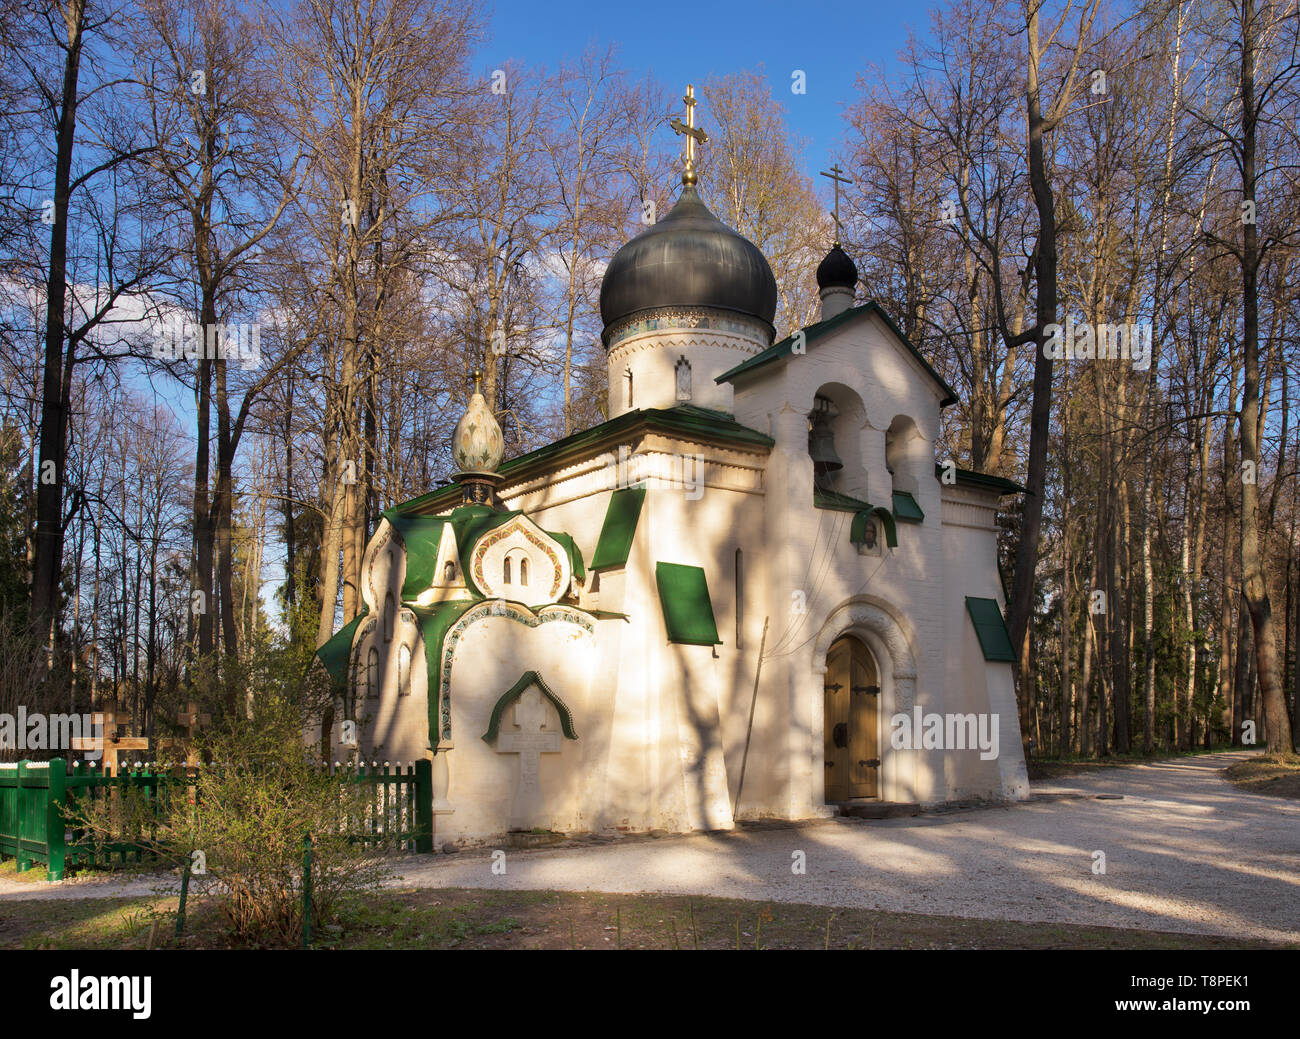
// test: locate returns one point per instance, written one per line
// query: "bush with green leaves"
(246, 812)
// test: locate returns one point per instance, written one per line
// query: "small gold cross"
(691, 132)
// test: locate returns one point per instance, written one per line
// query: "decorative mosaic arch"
(503, 532)
(495, 608)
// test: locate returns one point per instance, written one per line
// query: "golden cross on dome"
(691, 132)
(836, 175)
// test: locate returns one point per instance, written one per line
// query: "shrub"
(247, 813)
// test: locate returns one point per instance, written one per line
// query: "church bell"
(821, 441)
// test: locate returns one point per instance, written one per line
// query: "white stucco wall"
(662, 727)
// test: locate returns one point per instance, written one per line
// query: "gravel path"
(1185, 851)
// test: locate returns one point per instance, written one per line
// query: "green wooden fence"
(400, 809)
(35, 794)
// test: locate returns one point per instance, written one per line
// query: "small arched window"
(523, 571)
(627, 378)
(449, 571)
(403, 670)
(390, 611)
(505, 571)
(372, 673)
(683, 379)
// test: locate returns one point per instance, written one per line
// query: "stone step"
(878, 809)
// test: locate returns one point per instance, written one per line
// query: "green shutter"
(905, 508)
(991, 629)
(688, 612)
(620, 526)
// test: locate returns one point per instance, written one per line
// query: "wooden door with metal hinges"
(851, 695)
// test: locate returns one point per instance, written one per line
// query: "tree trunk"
(1022, 587)
(1254, 583)
(50, 477)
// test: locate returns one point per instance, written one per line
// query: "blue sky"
(682, 42)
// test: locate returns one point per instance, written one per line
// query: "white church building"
(752, 593)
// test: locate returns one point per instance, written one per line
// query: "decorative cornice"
(713, 430)
(967, 509)
(673, 319)
(679, 341)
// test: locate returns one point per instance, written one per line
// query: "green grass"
(464, 918)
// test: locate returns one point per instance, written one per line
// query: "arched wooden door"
(852, 705)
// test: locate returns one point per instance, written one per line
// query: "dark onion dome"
(690, 258)
(837, 270)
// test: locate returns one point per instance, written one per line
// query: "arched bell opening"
(835, 424)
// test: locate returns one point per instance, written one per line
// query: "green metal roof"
(421, 535)
(619, 528)
(905, 508)
(334, 653)
(993, 483)
(837, 502)
(571, 547)
(688, 611)
(991, 629)
(862, 510)
(435, 622)
(813, 332)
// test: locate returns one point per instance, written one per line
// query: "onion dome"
(837, 271)
(477, 443)
(688, 259)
